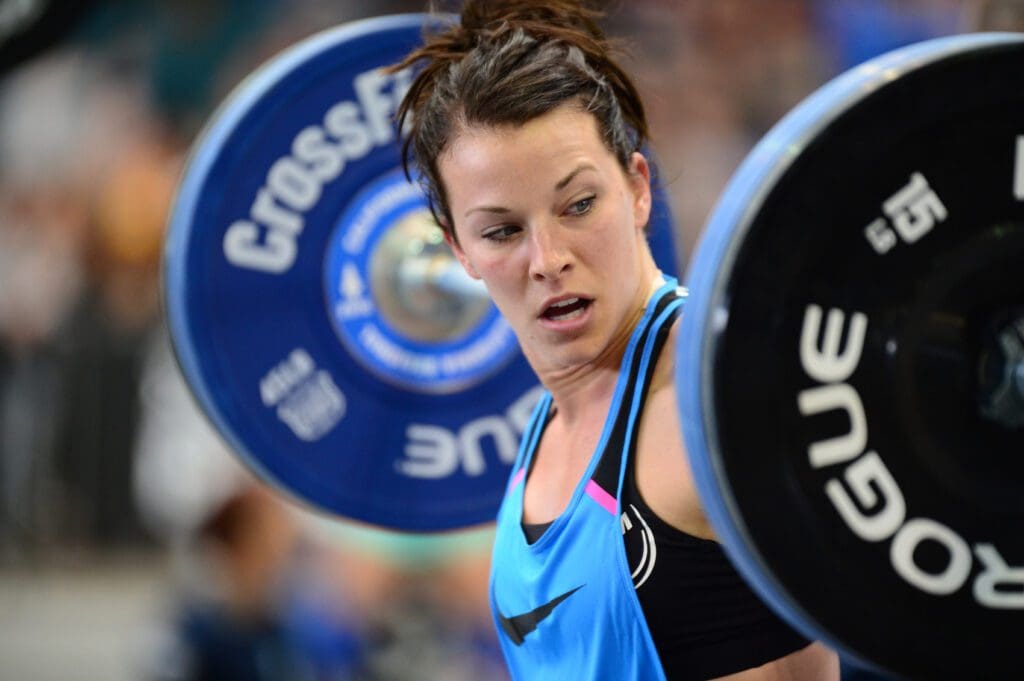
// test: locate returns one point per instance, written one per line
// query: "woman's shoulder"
(662, 467)
(664, 371)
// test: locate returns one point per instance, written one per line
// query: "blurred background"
(132, 546)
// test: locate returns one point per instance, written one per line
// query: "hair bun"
(491, 17)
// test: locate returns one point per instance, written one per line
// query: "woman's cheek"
(501, 264)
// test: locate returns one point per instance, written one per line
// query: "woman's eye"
(501, 233)
(582, 207)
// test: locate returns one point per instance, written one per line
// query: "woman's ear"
(453, 243)
(639, 177)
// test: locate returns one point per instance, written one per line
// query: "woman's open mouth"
(567, 309)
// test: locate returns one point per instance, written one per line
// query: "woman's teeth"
(566, 309)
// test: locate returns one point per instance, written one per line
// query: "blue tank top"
(565, 606)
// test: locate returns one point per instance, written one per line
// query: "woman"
(527, 134)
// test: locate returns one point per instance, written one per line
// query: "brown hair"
(505, 63)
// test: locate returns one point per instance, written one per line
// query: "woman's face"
(546, 216)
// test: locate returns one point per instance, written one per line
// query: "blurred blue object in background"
(857, 30)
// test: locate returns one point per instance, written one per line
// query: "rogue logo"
(435, 452)
(867, 497)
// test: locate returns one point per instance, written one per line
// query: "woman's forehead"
(548, 138)
(564, 120)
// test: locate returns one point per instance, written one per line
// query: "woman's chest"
(559, 464)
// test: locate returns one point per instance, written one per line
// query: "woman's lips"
(567, 314)
(566, 309)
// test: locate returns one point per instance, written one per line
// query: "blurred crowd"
(102, 450)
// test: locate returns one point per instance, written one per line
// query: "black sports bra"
(704, 619)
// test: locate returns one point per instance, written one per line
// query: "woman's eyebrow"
(486, 209)
(564, 182)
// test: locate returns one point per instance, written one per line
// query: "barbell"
(851, 363)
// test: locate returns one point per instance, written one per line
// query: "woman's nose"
(550, 254)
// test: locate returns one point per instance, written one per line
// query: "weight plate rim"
(707, 280)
